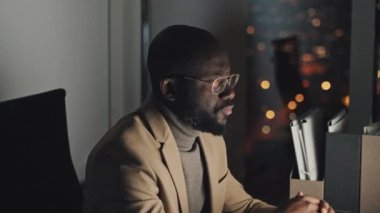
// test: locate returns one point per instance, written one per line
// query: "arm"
(140, 190)
(120, 186)
(237, 200)
(304, 204)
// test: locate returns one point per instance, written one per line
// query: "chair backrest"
(37, 166)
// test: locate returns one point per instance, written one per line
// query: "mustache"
(225, 104)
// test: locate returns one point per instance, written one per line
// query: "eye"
(219, 85)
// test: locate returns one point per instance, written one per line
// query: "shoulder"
(129, 138)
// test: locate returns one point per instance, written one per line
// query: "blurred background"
(292, 55)
(298, 59)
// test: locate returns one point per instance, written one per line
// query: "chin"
(215, 127)
(218, 127)
(204, 121)
(220, 130)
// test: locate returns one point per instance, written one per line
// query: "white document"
(313, 132)
(339, 122)
(308, 136)
(299, 148)
(372, 129)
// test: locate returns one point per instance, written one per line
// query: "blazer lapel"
(206, 141)
(161, 132)
(173, 162)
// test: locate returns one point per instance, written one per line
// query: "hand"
(306, 204)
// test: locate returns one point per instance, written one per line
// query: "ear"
(167, 89)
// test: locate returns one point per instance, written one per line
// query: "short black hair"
(179, 49)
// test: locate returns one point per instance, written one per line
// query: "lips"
(228, 110)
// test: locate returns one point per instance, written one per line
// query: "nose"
(228, 93)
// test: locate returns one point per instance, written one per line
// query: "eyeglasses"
(218, 84)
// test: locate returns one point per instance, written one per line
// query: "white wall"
(125, 57)
(92, 49)
(226, 19)
(48, 44)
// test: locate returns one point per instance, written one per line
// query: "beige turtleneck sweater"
(191, 159)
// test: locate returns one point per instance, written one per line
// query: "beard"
(203, 120)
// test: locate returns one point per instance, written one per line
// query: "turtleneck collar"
(184, 134)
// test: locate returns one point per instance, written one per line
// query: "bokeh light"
(306, 83)
(270, 114)
(265, 84)
(316, 22)
(338, 32)
(320, 51)
(292, 105)
(326, 85)
(346, 101)
(266, 129)
(299, 98)
(307, 57)
(250, 30)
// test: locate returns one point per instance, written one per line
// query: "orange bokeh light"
(346, 101)
(265, 84)
(299, 98)
(270, 114)
(326, 85)
(292, 105)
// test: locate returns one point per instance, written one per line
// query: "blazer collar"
(154, 120)
(206, 142)
(159, 127)
(160, 130)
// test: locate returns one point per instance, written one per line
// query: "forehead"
(215, 66)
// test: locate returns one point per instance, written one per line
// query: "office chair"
(37, 166)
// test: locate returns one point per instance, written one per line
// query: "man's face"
(197, 106)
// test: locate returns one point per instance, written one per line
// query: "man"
(169, 156)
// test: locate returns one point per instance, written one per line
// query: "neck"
(183, 133)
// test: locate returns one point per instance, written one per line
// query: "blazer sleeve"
(238, 200)
(121, 186)
(140, 190)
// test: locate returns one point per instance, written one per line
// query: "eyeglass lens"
(219, 85)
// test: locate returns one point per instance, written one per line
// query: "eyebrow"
(216, 71)
(213, 77)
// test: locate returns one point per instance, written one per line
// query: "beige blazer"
(136, 167)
